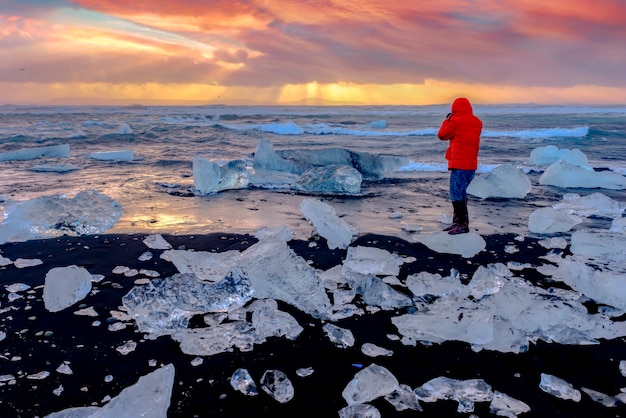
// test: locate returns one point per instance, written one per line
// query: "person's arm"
(447, 129)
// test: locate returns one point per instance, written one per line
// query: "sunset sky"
(397, 52)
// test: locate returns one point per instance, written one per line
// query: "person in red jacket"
(462, 129)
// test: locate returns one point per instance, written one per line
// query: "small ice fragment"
(368, 384)
(197, 361)
(341, 337)
(17, 287)
(373, 350)
(157, 242)
(21, 263)
(276, 384)
(305, 371)
(147, 256)
(64, 368)
(242, 381)
(65, 286)
(558, 387)
(129, 347)
(38, 376)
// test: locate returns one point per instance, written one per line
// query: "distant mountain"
(94, 101)
(317, 101)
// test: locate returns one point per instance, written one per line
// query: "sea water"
(155, 187)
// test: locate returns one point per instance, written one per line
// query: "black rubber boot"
(455, 216)
(462, 226)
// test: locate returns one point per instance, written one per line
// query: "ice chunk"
(330, 179)
(164, 305)
(403, 398)
(466, 245)
(562, 174)
(338, 233)
(149, 397)
(54, 168)
(368, 384)
(373, 166)
(276, 384)
(88, 212)
(124, 129)
(216, 176)
(266, 159)
(549, 221)
(602, 398)
(488, 280)
(503, 405)
(550, 154)
(65, 286)
(341, 337)
(602, 286)
(59, 151)
(465, 392)
(558, 387)
(275, 271)
(217, 339)
(243, 382)
(505, 181)
(208, 266)
(156, 242)
(5, 261)
(507, 320)
(268, 321)
(376, 292)
(279, 232)
(618, 225)
(372, 350)
(372, 260)
(594, 204)
(359, 410)
(425, 283)
(606, 246)
(120, 155)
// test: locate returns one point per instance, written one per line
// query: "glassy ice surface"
(341, 337)
(597, 204)
(88, 212)
(330, 179)
(403, 398)
(149, 397)
(338, 233)
(375, 292)
(503, 405)
(268, 321)
(372, 260)
(545, 156)
(243, 382)
(64, 286)
(208, 266)
(549, 221)
(59, 151)
(359, 410)
(465, 392)
(276, 384)
(216, 176)
(368, 384)
(275, 271)
(164, 305)
(120, 155)
(505, 181)
(558, 387)
(562, 174)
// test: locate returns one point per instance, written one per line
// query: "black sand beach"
(38, 340)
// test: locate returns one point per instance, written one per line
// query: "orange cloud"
(332, 48)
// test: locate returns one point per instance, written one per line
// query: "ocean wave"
(541, 133)
(292, 128)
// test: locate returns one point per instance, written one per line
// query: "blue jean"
(459, 180)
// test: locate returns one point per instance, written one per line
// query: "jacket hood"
(461, 105)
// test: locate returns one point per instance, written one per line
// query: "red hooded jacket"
(463, 130)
